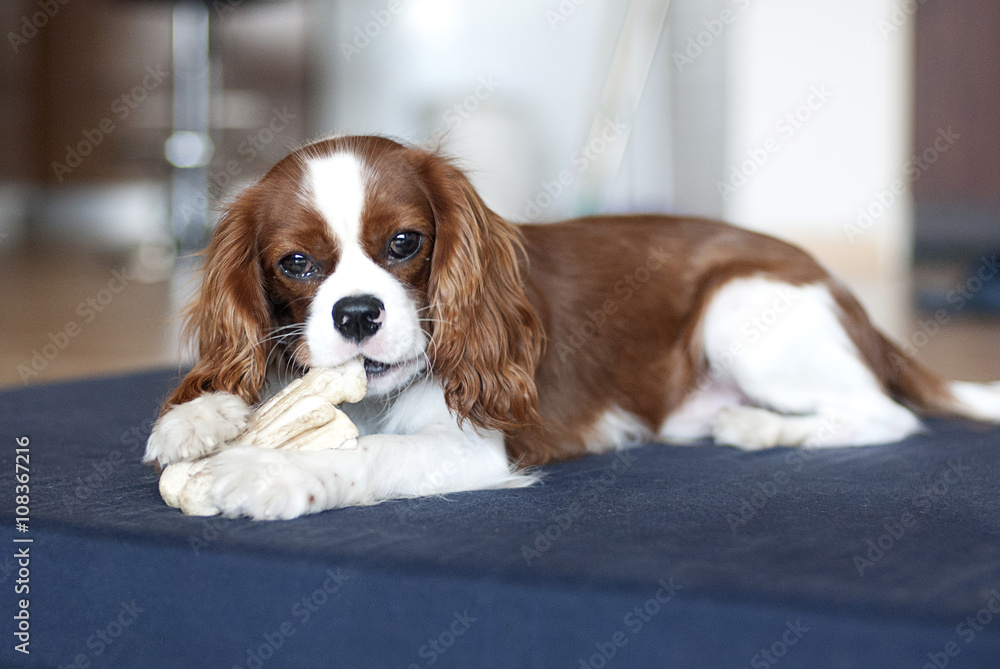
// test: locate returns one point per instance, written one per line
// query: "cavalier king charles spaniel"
(492, 347)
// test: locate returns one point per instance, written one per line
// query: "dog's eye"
(298, 266)
(404, 245)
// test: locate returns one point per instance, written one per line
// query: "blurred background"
(863, 130)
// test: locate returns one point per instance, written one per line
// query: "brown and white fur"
(492, 346)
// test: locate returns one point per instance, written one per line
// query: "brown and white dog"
(491, 346)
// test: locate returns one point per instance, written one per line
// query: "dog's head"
(363, 246)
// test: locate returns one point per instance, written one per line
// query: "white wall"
(723, 81)
(544, 72)
(832, 93)
(698, 93)
(843, 72)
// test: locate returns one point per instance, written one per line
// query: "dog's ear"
(230, 318)
(486, 339)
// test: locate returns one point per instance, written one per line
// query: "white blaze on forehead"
(337, 186)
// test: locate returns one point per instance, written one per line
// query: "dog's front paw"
(265, 484)
(197, 428)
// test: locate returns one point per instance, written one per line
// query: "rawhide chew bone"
(187, 486)
(303, 416)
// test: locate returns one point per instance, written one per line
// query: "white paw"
(197, 428)
(265, 484)
(980, 401)
(749, 428)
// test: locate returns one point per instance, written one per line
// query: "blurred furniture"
(189, 148)
(957, 89)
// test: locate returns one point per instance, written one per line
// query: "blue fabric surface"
(662, 556)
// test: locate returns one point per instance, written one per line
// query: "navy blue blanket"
(661, 556)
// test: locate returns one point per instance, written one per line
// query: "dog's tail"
(907, 380)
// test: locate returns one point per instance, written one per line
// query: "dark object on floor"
(659, 557)
(977, 293)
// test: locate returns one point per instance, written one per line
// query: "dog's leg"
(193, 429)
(753, 428)
(268, 484)
(695, 418)
(786, 350)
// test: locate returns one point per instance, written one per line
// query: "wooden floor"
(69, 313)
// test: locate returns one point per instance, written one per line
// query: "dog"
(491, 348)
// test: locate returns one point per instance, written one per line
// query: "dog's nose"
(358, 317)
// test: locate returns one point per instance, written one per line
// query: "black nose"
(358, 317)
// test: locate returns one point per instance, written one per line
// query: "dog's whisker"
(438, 320)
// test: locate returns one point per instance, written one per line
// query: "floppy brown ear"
(486, 339)
(230, 318)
